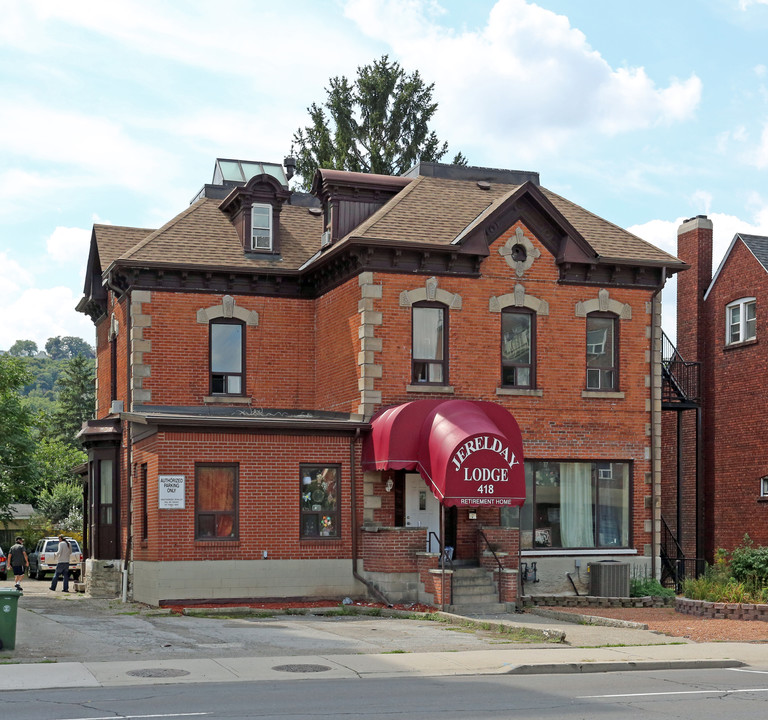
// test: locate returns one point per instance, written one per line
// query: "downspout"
(128, 445)
(655, 432)
(380, 596)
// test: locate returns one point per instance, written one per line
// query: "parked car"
(3, 565)
(42, 559)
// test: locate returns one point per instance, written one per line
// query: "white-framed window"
(740, 321)
(261, 227)
(602, 351)
(764, 486)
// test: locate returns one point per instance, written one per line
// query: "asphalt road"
(699, 695)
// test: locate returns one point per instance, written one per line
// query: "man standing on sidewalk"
(62, 564)
(18, 560)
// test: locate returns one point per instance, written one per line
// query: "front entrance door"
(422, 508)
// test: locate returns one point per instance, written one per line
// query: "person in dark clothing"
(18, 560)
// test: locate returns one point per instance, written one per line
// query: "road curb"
(579, 619)
(620, 666)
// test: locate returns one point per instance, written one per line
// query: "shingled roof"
(427, 211)
(113, 240)
(203, 235)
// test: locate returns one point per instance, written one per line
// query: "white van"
(42, 559)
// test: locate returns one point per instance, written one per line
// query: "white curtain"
(428, 334)
(576, 505)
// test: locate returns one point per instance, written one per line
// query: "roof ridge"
(386, 208)
(122, 227)
(173, 221)
(607, 222)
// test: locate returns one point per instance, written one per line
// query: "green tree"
(379, 124)
(60, 502)
(54, 460)
(23, 348)
(75, 400)
(17, 470)
(66, 347)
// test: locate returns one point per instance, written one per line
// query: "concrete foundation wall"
(551, 572)
(153, 582)
(103, 578)
(397, 587)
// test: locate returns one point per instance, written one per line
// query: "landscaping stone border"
(593, 601)
(725, 611)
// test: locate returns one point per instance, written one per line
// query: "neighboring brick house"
(722, 325)
(288, 382)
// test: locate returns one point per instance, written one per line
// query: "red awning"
(469, 452)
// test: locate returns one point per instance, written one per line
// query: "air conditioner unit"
(609, 579)
(325, 239)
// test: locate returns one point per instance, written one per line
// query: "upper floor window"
(602, 351)
(227, 350)
(741, 322)
(216, 501)
(429, 353)
(518, 329)
(261, 227)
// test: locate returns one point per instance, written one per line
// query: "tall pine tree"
(378, 124)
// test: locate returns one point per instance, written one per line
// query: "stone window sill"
(742, 344)
(444, 389)
(227, 400)
(522, 392)
(601, 395)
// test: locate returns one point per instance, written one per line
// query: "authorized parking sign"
(171, 492)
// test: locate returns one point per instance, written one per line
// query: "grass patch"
(395, 652)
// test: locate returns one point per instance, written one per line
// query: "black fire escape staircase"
(680, 392)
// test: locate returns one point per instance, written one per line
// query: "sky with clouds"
(114, 112)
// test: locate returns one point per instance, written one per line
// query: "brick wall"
(269, 495)
(734, 420)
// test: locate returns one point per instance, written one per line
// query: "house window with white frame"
(740, 321)
(602, 351)
(764, 486)
(261, 227)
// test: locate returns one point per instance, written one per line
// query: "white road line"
(757, 672)
(140, 717)
(676, 692)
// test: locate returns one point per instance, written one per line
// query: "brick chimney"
(694, 246)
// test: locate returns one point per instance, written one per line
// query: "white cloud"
(34, 313)
(663, 234)
(98, 147)
(69, 245)
(544, 80)
(745, 4)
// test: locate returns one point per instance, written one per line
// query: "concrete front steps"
(474, 592)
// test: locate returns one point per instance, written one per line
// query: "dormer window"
(261, 227)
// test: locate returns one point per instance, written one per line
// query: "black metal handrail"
(498, 562)
(681, 378)
(443, 554)
(673, 558)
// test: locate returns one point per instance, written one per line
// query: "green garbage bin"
(9, 601)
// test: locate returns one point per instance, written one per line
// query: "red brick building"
(306, 394)
(724, 474)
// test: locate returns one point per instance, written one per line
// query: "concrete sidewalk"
(83, 642)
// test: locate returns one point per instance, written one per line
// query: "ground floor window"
(216, 501)
(320, 501)
(576, 505)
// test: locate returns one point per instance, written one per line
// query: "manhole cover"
(301, 668)
(158, 673)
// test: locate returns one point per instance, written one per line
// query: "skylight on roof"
(242, 171)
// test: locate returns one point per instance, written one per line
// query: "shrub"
(743, 579)
(643, 587)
